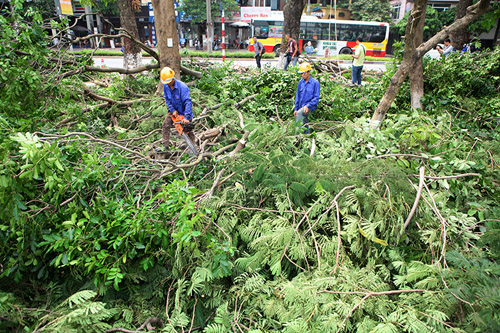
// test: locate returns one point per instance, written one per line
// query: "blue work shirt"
(307, 94)
(178, 99)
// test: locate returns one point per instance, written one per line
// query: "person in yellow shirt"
(358, 60)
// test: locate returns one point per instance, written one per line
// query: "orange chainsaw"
(178, 126)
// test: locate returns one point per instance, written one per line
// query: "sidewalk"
(232, 53)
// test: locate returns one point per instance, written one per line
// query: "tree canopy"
(197, 10)
(434, 21)
(369, 10)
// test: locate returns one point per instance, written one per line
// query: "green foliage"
(486, 22)
(45, 7)
(29, 70)
(474, 278)
(365, 10)
(22, 43)
(125, 234)
(466, 86)
(434, 21)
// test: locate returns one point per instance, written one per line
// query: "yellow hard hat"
(166, 75)
(304, 67)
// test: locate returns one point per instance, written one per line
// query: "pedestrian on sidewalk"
(358, 60)
(258, 48)
(292, 51)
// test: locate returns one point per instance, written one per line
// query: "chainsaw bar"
(190, 144)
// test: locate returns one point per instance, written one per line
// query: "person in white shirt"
(448, 48)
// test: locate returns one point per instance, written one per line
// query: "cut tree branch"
(415, 204)
(450, 177)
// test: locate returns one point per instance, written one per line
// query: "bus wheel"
(346, 50)
(276, 50)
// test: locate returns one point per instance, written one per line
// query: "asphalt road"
(118, 62)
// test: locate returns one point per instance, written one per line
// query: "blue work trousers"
(356, 74)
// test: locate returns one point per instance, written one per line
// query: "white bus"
(328, 37)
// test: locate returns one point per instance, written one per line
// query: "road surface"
(245, 62)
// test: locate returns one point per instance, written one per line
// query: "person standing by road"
(259, 49)
(358, 60)
(178, 101)
(307, 96)
(292, 49)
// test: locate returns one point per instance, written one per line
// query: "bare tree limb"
(402, 155)
(244, 100)
(112, 101)
(415, 204)
(450, 177)
(157, 322)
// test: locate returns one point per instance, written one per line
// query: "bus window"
(344, 32)
(303, 31)
(315, 30)
(261, 29)
(324, 32)
(275, 31)
(356, 31)
(378, 34)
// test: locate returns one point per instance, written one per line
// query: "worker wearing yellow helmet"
(307, 96)
(177, 98)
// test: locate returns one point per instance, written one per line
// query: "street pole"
(210, 31)
(223, 35)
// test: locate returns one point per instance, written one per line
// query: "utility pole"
(210, 30)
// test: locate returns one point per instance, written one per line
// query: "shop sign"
(254, 13)
(66, 7)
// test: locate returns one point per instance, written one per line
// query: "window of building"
(396, 9)
(319, 2)
(274, 4)
(440, 7)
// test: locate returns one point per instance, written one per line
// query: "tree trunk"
(210, 27)
(90, 23)
(168, 40)
(292, 12)
(132, 56)
(417, 84)
(415, 28)
(459, 38)
(473, 12)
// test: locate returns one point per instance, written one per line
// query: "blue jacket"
(307, 94)
(178, 99)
